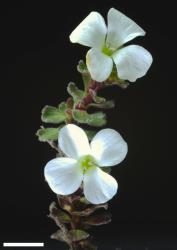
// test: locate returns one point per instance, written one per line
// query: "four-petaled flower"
(107, 49)
(83, 161)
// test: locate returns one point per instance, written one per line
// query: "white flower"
(106, 42)
(82, 164)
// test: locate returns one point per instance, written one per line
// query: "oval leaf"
(52, 115)
(97, 119)
(97, 99)
(82, 68)
(59, 214)
(77, 235)
(75, 92)
(62, 106)
(47, 134)
(98, 219)
(90, 210)
(59, 235)
(105, 105)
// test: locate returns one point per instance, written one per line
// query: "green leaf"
(77, 235)
(90, 210)
(105, 105)
(75, 92)
(98, 219)
(90, 134)
(59, 214)
(86, 80)
(97, 119)
(52, 115)
(47, 134)
(82, 68)
(97, 99)
(59, 235)
(62, 106)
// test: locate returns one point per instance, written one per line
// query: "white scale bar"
(5, 244)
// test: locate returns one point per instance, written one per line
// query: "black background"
(39, 62)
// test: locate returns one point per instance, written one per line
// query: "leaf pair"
(55, 115)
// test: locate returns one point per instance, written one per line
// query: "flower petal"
(73, 141)
(99, 64)
(63, 175)
(121, 29)
(99, 187)
(108, 147)
(91, 31)
(132, 62)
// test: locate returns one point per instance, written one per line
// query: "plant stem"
(77, 210)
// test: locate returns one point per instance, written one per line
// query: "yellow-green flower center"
(107, 51)
(87, 162)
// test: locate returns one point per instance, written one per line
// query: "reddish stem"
(93, 86)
